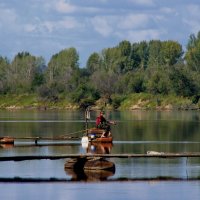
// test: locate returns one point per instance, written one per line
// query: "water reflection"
(97, 148)
(6, 146)
(135, 132)
(89, 169)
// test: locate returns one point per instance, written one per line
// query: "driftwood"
(63, 156)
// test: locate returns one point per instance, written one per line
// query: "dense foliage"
(155, 67)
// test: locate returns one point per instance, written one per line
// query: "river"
(133, 178)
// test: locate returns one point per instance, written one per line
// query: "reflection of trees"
(158, 126)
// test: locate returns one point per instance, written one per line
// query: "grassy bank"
(31, 101)
(131, 102)
(149, 101)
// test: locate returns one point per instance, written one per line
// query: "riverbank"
(140, 101)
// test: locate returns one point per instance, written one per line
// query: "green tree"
(171, 52)
(125, 61)
(4, 66)
(60, 70)
(61, 66)
(192, 55)
(154, 53)
(104, 82)
(85, 94)
(159, 82)
(93, 63)
(110, 59)
(183, 83)
(140, 54)
(22, 72)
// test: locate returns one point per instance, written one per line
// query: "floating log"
(64, 156)
(11, 140)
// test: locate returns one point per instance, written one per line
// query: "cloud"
(194, 10)
(140, 35)
(8, 17)
(65, 7)
(43, 27)
(120, 25)
(102, 25)
(191, 18)
(132, 21)
(143, 2)
(168, 10)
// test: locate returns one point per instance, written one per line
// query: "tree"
(110, 60)
(85, 94)
(93, 63)
(104, 82)
(4, 66)
(154, 53)
(21, 72)
(125, 61)
(140, 54)
(182, 81)
(61, 66)
(159, 82)
(171, 53)
(192, 55)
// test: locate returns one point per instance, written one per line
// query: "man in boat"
(102, 123)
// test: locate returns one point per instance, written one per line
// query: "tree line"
(156, 67)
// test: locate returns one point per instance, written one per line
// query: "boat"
(6, 140)
(94, 135)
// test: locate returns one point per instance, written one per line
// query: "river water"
(133, 178)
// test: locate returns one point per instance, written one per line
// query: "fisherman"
(102, 123)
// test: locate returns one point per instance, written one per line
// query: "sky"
(45, 27)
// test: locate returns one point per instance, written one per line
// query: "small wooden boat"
(6, 140)
(94, 135)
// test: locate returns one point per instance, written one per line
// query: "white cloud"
(191, 18)
(8, 17)
(193, 25)
(194, 10)
(133, 21)
(64, 7)
(143, 2)
(140, 35)
(43, 27)
(101, 25)
(68, 23)
(168, 10)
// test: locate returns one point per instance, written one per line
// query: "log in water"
(63, 156)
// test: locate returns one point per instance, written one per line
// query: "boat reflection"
(98, 148)
(6, 146)
(91, 168)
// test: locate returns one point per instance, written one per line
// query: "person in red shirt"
(102, 123)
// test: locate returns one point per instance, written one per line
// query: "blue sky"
(45, 27)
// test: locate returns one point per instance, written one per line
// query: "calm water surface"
(135, 132)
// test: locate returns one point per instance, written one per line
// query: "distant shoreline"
(132, 102)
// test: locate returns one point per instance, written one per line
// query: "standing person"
(102, 123)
